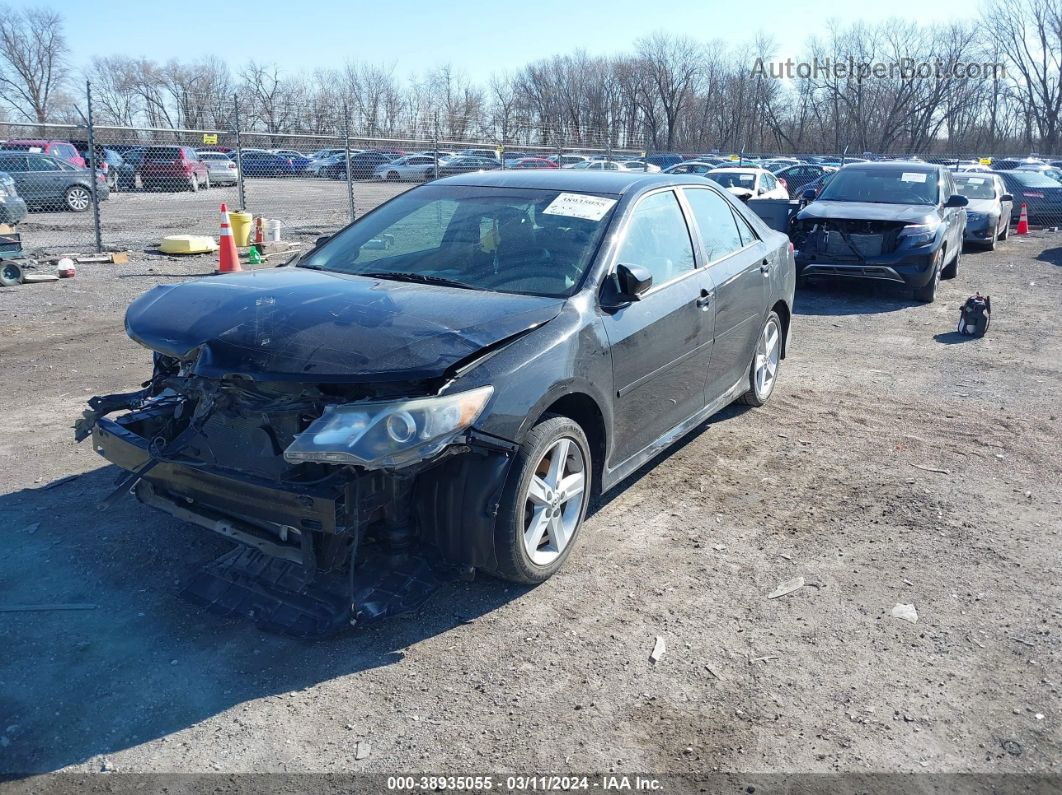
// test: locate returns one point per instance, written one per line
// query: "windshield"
(733, 179)
(894, 185)
(511, 240)
(1033, 180)
(976, 187)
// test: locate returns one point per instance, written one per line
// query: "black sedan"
(896, 221)
(362, 165)
(1041, 195)
(465, 165)
(447, 380)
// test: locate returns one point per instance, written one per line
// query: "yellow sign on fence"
(985, 161)
(210, 138)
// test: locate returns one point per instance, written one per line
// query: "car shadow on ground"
(839, 296)
(144, 663)
(1051, 255)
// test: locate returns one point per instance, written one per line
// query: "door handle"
(765, 267)
(706, 299)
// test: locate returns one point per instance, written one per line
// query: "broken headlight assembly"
(387, 434)
(919, 233)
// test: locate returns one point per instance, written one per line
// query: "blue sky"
(476, 37)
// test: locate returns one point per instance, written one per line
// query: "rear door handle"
(706, 299)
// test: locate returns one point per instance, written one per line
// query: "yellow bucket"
(241, 228)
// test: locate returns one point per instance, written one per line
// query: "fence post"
(435, 144)
(241, 198)
(92, 168)
(346, 150)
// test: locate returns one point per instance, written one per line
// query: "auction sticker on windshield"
(913, 176)
(579, 205)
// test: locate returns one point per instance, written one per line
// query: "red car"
(64, 150)
(173, 168)
(531, 162)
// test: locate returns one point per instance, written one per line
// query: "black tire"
(10, 274)
(928, 294)
(991, 244)
(393, 176)
(429, 175)
(514, 562)
(756, 396)
(952, 270)
(77, 198)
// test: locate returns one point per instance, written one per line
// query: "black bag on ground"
(975, 315)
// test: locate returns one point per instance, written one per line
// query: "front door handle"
(765, 267)
(706, 299)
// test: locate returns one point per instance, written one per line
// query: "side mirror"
(808, 195)
(1006, 197)
(957, 200)
(634, 281)
(322, 240)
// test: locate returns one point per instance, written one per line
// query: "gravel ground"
(306, 208)
(833, 481)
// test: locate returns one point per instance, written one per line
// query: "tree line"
(669, 92)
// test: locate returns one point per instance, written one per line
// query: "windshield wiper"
(421, 278)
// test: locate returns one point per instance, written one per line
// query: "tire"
(393, 176)
(928, 293)
(429, 175)
(10, 275)
(1006, 231)
(763, 371)
(555, 517)
(952, 270)
(991, 245)
(77, 198)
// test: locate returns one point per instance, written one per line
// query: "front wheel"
(928, 294)
(545, 501)
(763, 374)
(952, 270)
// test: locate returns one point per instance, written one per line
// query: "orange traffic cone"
(259, 235)
(228, 259)
(1023, 220)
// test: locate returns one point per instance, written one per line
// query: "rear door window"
(715, 221)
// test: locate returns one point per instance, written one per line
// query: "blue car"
(267, 164)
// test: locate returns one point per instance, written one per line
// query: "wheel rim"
(768, 354)
(78, 199)
(10, 273)
(553, 503)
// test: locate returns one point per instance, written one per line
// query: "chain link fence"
(96, 187)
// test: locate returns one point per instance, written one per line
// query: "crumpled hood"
(868, 211)
(299, 324)
(742, 193)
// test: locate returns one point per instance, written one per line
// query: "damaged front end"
(890, 250)
(351, 502)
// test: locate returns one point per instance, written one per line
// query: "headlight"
(380, 435)
(920, 233)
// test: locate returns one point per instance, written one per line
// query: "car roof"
(737, 168)
(615, 182)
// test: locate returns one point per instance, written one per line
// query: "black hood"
(286, 324)
(869, 211)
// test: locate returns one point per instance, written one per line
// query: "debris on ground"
(932, 469)
(1012, 747)
(658, 650)
(787, 587)
(363, 750)
(906, 612)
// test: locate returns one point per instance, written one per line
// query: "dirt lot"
(306, 207)
(834, 481)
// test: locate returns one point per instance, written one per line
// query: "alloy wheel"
(78, 199)
(768, 354)
(553, 503)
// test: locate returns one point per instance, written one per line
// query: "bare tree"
(33, 64)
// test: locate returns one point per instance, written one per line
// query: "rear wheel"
(928, 293)
(393, 176)
(763, 374)
(952, 270)
(77, 198)
(545, 501)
